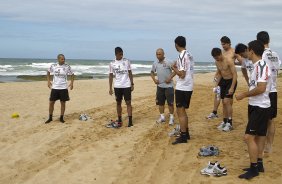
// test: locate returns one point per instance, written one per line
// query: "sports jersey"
(120, 70)
(185, 63)
(163, 70)
(60, 73)
(248, 65)
(273, 61)
(261, 73)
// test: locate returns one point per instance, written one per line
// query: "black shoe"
(48, 121)
(260, 168)
(62, 120)
(249, 174)
(179, 140)
(130, 125)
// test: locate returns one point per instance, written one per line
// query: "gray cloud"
(142, 21)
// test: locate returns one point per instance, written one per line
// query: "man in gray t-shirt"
(165, 91)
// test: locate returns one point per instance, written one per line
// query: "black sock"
(188, 135)
(62, 119)
(260, 165)
(215, 112)
(50, 119)
(130, 121)
(225, 120)
(229, 121)
(184, 135)
(119, 119)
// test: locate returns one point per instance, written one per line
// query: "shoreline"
(33, 78)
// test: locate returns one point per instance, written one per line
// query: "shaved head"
(160, 54)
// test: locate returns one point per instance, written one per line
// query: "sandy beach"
(87, 152)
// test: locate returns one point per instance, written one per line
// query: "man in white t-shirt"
(123, 84)
(272, 59)
(247, 66)
(59, 86)
(183, 68)
(258, 109)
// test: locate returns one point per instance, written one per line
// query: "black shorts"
(121, 93)
(225, 85)
(182, 98)
(59, 94)
(163, 94)
(258, 120)
(273, 104)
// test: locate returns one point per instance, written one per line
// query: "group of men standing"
(259, 65)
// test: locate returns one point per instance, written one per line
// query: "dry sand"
(87, 152)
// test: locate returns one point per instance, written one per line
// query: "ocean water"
(17, 69)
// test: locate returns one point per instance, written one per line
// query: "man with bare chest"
(227, 77)
(229, 53)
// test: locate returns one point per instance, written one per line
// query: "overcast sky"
(91, 29)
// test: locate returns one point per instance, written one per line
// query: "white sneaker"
(175, 132)
(161, 120)
(171, 121)
(227, 128)
(219, 171)
(221, 126)
(212, 116)
(209, 169)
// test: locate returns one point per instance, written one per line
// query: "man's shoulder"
(54, 65)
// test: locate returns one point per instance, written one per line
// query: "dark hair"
(216, 52)
(225, 39)
(180, 41)
(256, 46)
(59, 55)
(263, 36)
(239, 48)
(118, 50)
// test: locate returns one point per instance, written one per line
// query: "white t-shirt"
(60, 73)
(273, 61)
(261, 73)
(248, 65)
(120, 69)
(185, 63)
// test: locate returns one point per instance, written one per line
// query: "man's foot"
(48, 121)
(161, 120)
(130, 124)
(179, 140)
(260, 168)
(62, 120)
(175, 132)
(249, 174)
(212, 116)
(171, 121)
(227, 128)
(221, 126)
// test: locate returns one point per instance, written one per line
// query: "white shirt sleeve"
(111, 68)
(153, 67)
(51, 68)
(69, 72)
(128, 65)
